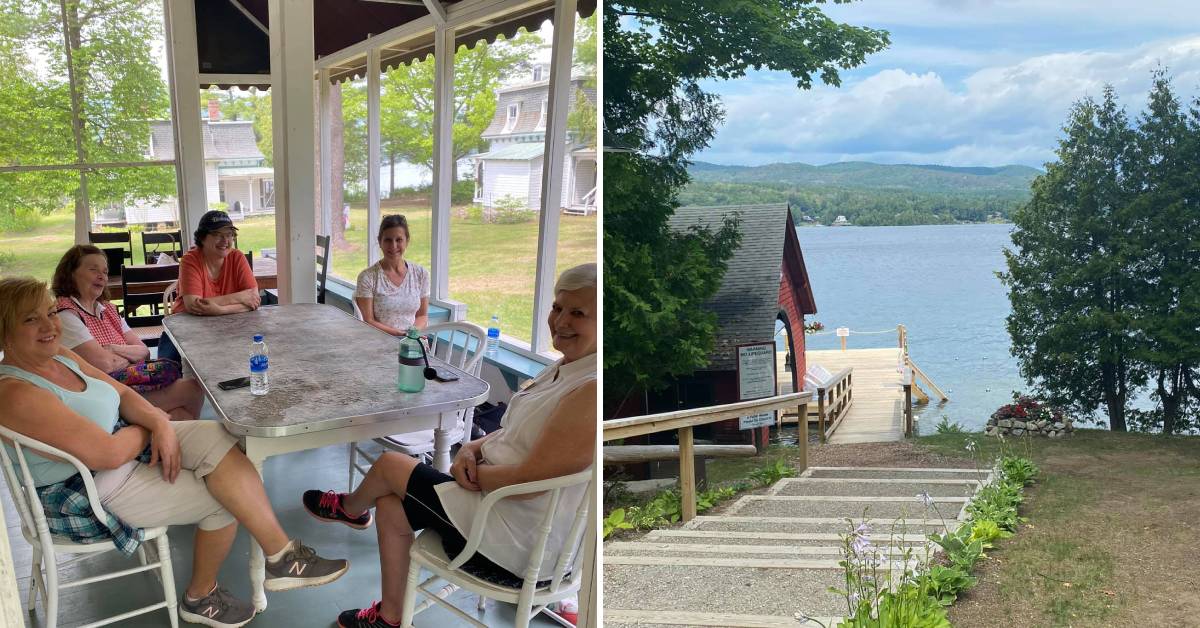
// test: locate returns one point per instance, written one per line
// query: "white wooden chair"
(427, 553)
(458, 343)
(48, 548)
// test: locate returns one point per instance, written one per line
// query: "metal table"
(332, 378)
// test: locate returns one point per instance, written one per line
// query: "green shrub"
(772, 473)
(509, 210)
(946, 427)
(945, 583)
(1019, 470)
(908, 606)
(616, 521)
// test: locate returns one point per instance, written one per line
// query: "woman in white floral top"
(393, 294)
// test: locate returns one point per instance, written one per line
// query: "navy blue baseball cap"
(215, 219)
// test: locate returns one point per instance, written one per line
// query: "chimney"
(214, 110)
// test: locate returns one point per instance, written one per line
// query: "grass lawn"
(492, 267)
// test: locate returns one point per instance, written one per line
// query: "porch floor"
(286, 478)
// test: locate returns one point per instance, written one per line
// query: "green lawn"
(492, 266)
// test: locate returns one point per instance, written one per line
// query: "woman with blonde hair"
(52, 395)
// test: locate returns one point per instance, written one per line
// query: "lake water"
(940, 282)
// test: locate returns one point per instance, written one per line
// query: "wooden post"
(843, 338)
(802, 426)
(687, 474)
(820, 413)
(908, 418)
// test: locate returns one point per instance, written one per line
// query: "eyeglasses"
(223, 235)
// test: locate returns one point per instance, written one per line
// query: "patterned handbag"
(149, 375)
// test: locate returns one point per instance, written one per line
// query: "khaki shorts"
(145, 500)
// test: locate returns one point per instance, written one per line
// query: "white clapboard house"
(512, 166)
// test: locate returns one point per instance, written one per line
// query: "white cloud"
(1010, 113)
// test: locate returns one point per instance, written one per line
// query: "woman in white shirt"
(393, 294)
(548, 431)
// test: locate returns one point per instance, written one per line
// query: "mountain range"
(868, 193)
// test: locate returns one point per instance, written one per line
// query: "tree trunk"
(337, 160)
(71, 32)
(392, 173)
(1114, 397)
(1170, 394)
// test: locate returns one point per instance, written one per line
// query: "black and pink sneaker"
(327, 506)
(364, 618)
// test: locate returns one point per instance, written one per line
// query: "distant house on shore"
(512, 166)
(841, 221)
(235, 172)
(766, 282)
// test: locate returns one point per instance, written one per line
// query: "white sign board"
(761, 419)
(756, 380)
(843, 332)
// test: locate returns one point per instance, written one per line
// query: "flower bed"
(1028, 416)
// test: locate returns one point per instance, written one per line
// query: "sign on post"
(756, 380)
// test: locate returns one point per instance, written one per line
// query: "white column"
(326, 120)
(552, 164)
(373, 252)
(183, 74)
(443, 155)
(250, 194)
(291, 32)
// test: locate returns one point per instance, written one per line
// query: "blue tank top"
(99, 402)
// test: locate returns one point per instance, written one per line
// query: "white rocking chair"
(47, 548)
(427, 553)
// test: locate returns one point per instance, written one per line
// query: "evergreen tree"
(1070, 271)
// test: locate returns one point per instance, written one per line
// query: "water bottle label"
(417, 361)
(258, 363)
(493, 332)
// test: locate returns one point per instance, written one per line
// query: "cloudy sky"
(965, 82)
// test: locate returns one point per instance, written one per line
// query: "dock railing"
(833, 402)
(685, 420)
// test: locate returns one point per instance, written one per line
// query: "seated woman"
(548, 431)
(93, 330)
(52, 395)
(393, 294)
(214, 277)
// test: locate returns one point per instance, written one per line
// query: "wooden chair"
(152, 243)
(531, 599)
(146, 286)
(459, 344)
(322, 266)
(49, 549)
(118, 256)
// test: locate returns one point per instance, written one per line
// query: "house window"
(542, 118)
(266, 195)
(537, 73)
(510, 121)
(221, 190)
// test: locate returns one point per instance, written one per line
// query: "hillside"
(867, 193)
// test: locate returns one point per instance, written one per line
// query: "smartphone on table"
(232, 384)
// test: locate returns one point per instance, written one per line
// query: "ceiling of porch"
(232, 36)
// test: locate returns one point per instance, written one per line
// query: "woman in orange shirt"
(214, 277)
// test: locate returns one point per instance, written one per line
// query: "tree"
(406, 99)
(1070, 273)
(581, 119)
(656, 54)
(1166, 228)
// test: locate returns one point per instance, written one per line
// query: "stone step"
(908, 508)
(767, 539)
(629, 618)
(749, 552)
(895, 473)
(890, 488)
(750, 590)
(805, 525)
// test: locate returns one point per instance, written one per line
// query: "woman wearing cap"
(214, 277)
(393, 294)
(93, 329)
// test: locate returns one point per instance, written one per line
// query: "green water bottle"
(411, 376)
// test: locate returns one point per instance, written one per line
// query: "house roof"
(530, 98)
(231, 42)
(253, 171)
(521, 151)
(747, 303)
(222, 140)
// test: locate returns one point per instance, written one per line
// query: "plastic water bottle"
(259, 384)
(411, 375)
(493, 338)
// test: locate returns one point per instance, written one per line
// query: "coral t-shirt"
(235, 276)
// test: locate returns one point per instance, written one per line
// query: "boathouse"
(765, 282)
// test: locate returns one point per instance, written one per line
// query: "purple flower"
(925, 498)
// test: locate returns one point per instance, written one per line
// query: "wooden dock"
(877, 413)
